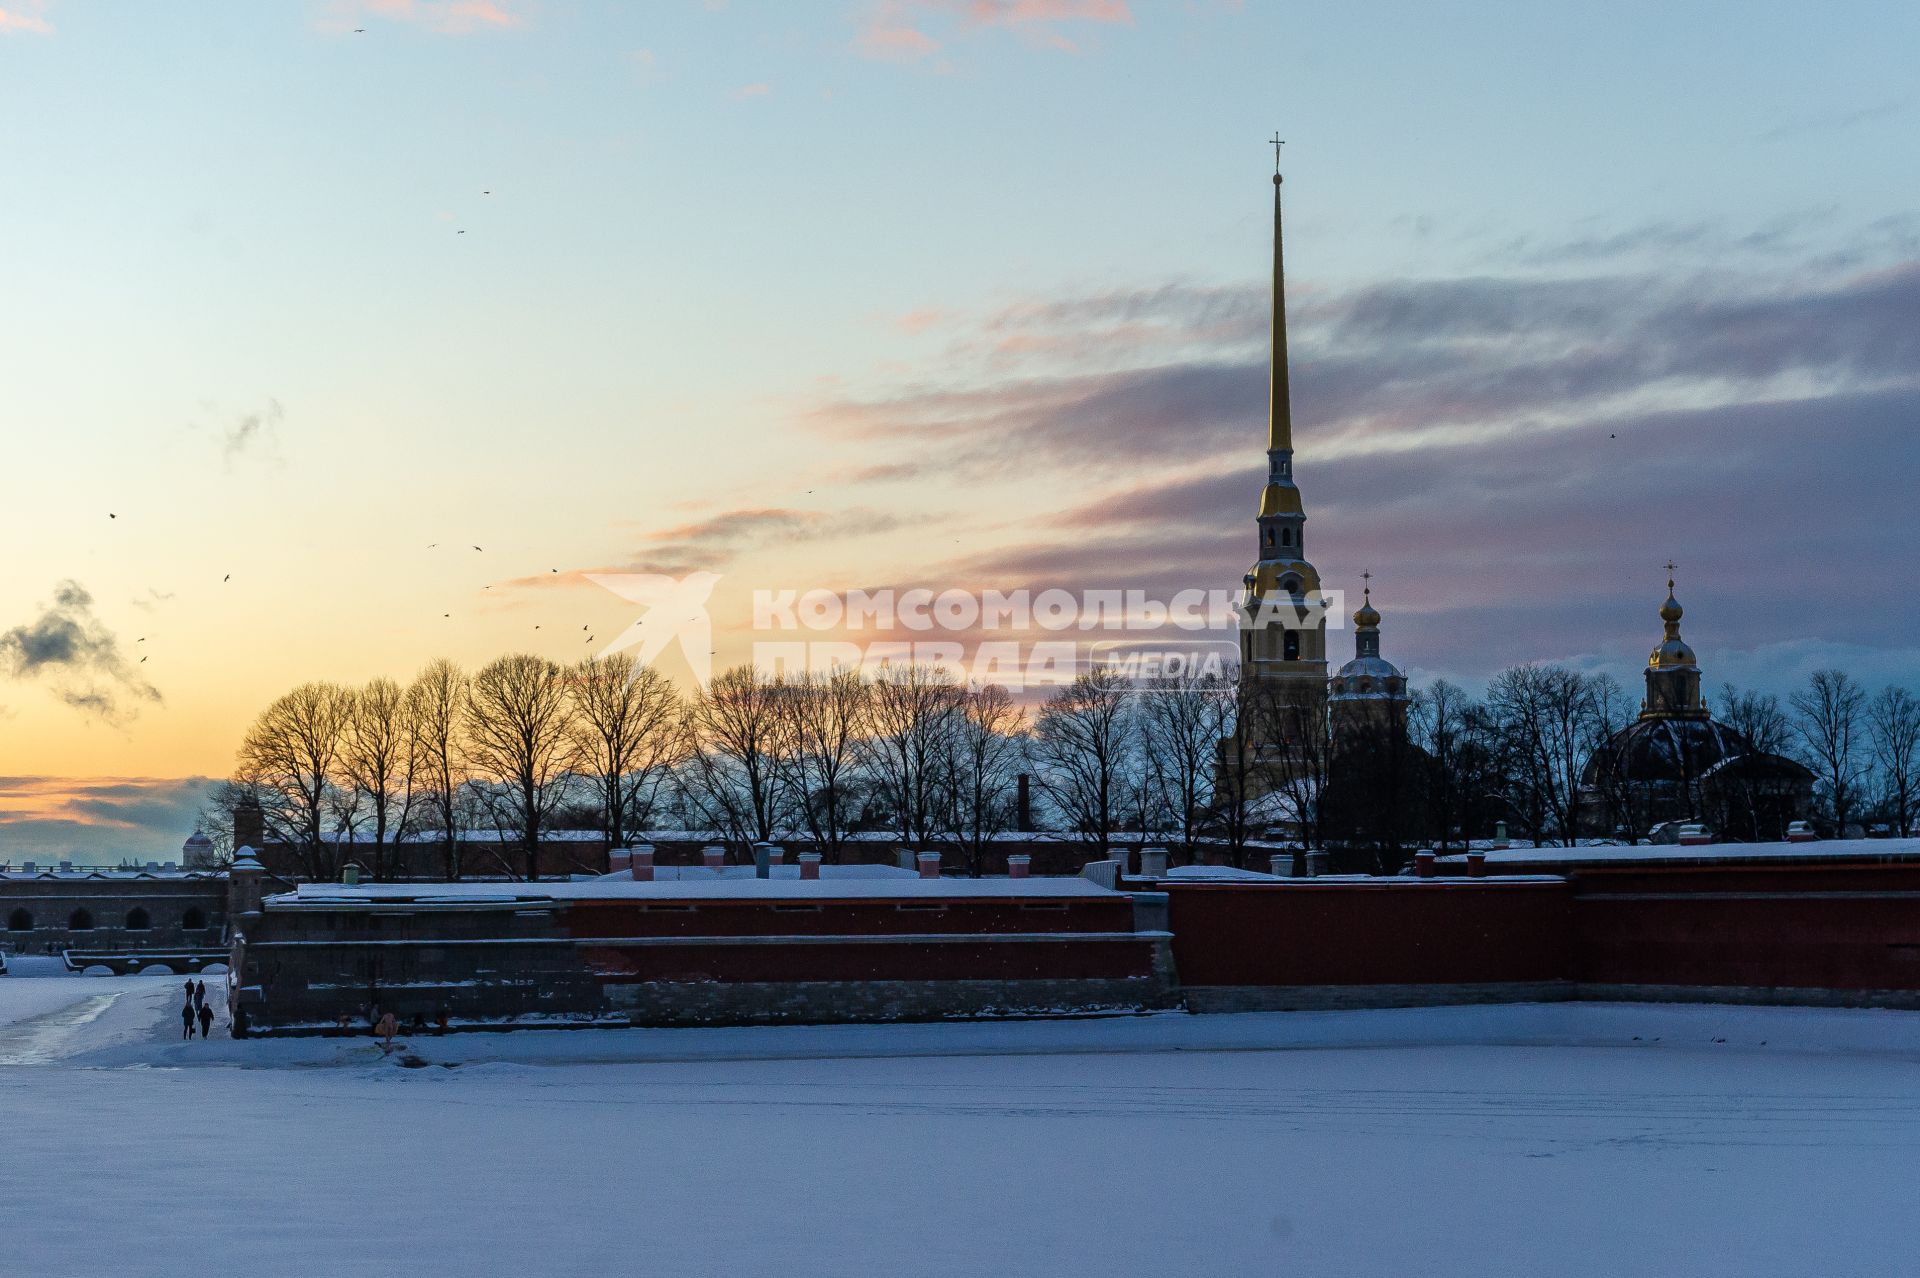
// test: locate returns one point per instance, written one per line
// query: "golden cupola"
(1673, 673)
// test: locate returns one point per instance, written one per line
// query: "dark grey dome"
(1666, 750)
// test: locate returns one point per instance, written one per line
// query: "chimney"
(809, 865)
(929, 865)
(1018, 864)
(1023, 803)
(249, 824)
(1280, 865)
(713, 857)
(904, 858)
(1316, 864)
(640, 862)
(776, 855)
(1153, 863)
(1423, 863)
(1476, 864)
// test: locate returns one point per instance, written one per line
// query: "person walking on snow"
(186, 1020)
(206, 1020)
(199, 994)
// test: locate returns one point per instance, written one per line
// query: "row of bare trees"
(360, 772)
(524, 747)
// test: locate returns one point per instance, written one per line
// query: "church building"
(1674, 763)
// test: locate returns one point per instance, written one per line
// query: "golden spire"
(1279, 400)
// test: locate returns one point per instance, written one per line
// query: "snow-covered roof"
(845, 886)
(1668, 853)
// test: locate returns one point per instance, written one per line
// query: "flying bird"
(143, 661)
(141, 639)
(111, 515)
(477, 548)
(228, 577)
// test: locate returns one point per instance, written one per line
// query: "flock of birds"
(588, 629)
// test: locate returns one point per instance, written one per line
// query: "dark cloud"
(70, 649)
(1378, 368)
(98, 819)
(252, 431)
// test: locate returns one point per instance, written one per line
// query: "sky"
(344, 335)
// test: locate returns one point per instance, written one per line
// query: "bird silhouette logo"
(676, 610)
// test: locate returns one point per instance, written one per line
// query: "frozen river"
(1544, 1140)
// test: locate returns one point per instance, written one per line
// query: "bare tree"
(1238, 776)
(1549, 725)
(1459, 735)
(518, 725)
(1183, 719)
(436, 709)
(1083, 747)
(1295, 757)
(821, 716)
(381, 760)
(910, 713)
(290, 759)
(985, 750)
(1827, 717)
(626, 737)
(1893, 727)
(1751, 807)
(730, 775)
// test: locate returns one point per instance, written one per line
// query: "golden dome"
(1673, 652)
(1367, 615)
(1280, 499)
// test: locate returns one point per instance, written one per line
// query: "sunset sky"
(301, 302)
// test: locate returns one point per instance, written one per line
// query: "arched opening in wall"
(193, 920)
(1290, 646)
(1286, 536)
(80, 921)
(19, 921)
(137, 920)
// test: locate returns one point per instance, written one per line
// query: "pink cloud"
(447, 17)
(905, 30)
(24, 17)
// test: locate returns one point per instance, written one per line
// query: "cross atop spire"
(1367, 588)
(1277, 144)
(1670, 567)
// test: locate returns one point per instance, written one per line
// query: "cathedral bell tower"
(1283, 638)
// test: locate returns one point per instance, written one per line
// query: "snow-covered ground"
(1538, 1140)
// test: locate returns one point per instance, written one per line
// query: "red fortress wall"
(1829, 933)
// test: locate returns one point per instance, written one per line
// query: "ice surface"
(1570, 1139)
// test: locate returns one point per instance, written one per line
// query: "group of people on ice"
(197, 1009)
